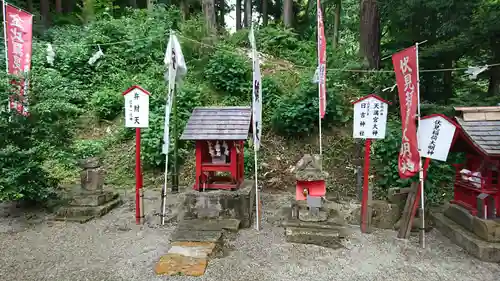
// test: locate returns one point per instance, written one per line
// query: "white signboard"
(136, 107)
(370, 118)
(435, 135)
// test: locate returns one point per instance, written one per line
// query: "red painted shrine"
(476, 187)
(219, 134)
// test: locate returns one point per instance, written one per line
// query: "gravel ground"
(113, 248)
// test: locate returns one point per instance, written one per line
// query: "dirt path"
(113, 248)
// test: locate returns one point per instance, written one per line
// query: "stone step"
(330, 238)
(189, 258)
(188, 235)
(93, 199)
(210, 224)
(69, 213)
(305, 224)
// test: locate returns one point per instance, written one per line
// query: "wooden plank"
(405, 228)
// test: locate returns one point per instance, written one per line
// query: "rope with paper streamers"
(472, 70)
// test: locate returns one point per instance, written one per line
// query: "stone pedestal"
(220, 204)
(89, 200)
(479, 237)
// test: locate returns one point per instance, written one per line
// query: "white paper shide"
(370, 119)
(435, 136)
(136, 108)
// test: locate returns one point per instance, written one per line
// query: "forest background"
(77, 108)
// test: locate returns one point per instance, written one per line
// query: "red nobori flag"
(405, 67)
(321, 62)
(18, 24)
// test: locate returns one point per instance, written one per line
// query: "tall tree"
(265, 14)
(238, 14)
(336, 24)
(247, 17)
(59, 6)
(369, 42)
(208, 7)
(44, 12)
(288, 13)
(132, 3)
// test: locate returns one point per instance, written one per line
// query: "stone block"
(398, 195)
(488, 230)
(175, 264)
(92, 179)
(460, 216)
(483, 250)
(90, 163)
(209, 224)
(92, 198)
(329, 238)
(221, 204)
(384, 214)
(85, 213)
(181, 235)
(193, 249)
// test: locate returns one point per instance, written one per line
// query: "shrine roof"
(218, 123)
(482, 126)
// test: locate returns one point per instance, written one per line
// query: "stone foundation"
(220, 204)
(479, 237)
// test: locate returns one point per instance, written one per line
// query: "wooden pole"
(364, 199)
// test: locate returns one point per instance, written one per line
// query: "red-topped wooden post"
(370, 120)
(137, 116)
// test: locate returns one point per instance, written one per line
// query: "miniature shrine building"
(219, 134)
(476, 186)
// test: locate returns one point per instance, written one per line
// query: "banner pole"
(5, 36)
(421, 170)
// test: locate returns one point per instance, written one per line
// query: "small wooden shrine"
(476, 187)
(219, 134)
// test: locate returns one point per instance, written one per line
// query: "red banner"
(18, 40)
(321, 62)
(405, 67)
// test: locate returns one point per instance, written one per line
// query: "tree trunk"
(29, 5)
(184, 9)
(288, 13)
(370, 34)
(59, 6)
(238, 14)
(447, 81)
(336, 24)
(222, 12)
(494, 84)
(248, 13)
(150, 5)
(68, 6)
(132, 3)
(265, 14)
(209, 12)
(44, 12)
(88, 11)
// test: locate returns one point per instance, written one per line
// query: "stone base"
(220, 204)
(84, 206)
(483, 250)
(328, 231)
(488, 230)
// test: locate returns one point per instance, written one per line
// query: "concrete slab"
(329, 238)
(85, 213)
(210, 224)
(188, 235)
(174, 264)
(483, 250)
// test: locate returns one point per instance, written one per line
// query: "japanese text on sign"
(370, 118)
(435, 136)
(136, 108)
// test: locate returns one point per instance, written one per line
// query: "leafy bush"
(88, 148)
(107, 103)
(297, 115)
(229, 73)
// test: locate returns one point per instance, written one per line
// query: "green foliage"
(88, 148)
(229, 73)
(107, 103)
(297, 115)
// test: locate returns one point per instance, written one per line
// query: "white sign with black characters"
(370, 118)
(435, 136)
(136, 108)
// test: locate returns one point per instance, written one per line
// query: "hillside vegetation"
(76, 108)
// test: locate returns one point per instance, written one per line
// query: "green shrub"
(229, 73)
(107, 103)
(88, 148)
